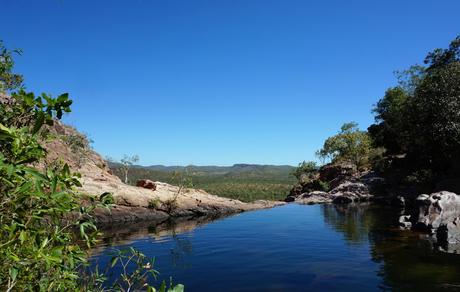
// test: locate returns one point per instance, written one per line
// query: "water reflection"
(295, 248)
(409, 260)
(353, 220)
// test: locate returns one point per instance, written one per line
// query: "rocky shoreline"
(119, 214)
(436, 214)
(346, 186)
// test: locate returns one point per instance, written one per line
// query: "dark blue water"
(295, 248)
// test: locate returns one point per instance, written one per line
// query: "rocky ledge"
(347, 192)
(148, 201)
(164, 201)
(347, 187)
(439, 215)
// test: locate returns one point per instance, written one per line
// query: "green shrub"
(154, 203)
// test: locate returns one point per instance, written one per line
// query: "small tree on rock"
(127, 162)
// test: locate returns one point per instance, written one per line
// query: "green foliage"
(79, 144)
(38, 251)
(349, 145)
(154, 203)
(8, 79)
(323, 186)
(305, 171)
(136, 272)
(126, 163)
(390, 112)
(420, 123)
(409, 79)
(183, 181)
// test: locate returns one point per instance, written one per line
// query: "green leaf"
(5, 133)
(22, 236)
(39, 121)
(35, 173)
(162, 287)
(177, 288)
(114, 261)
(13, 273)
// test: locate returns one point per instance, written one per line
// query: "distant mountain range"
(236, 168)
(276, 172)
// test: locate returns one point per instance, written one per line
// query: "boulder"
(295, 192)
(316, 197)
(404, 221)
(357, 188)
(350, 192)
(439, 213)
(146, 184)
(347, 186)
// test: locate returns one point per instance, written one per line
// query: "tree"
(435, 118)
(390, 115)
(349, 145)
(8, 79)
(439, 58)
(127, 162)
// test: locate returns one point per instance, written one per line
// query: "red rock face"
(146, 184)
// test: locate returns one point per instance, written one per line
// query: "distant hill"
(234, 169)
(245, 182)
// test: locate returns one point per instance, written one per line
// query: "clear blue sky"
(220, 81)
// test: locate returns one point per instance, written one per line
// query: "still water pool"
(293, 248)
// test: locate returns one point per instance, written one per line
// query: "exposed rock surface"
(347, 192)
(146, 184)
(335, 174)
(315, 197)
(155, 203)
(439, 213)
(346, 187)
(404, 221)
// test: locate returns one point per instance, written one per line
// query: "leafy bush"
(38, 209)
(136, 271)
(154, 203)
